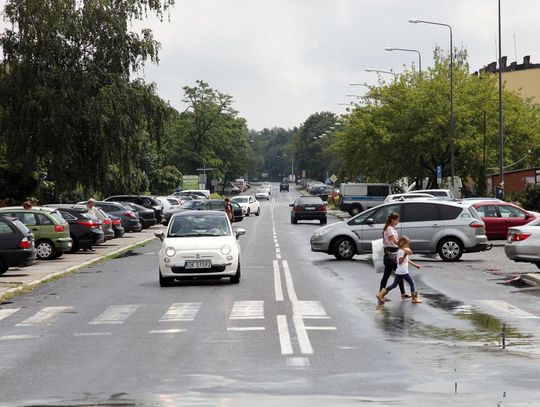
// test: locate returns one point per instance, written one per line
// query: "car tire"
(294, 221)
(324, 221)
(164, 281)
(343, 248)
(236, 278)
(3, 267)
(258, 211)
(450, 249)
(57, 254)
(248, 212)
(45, 249)
(355, 210)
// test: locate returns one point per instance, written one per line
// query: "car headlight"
(170, 251)
(225, 250)
(321, 232)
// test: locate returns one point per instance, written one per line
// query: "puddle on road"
(487, 332)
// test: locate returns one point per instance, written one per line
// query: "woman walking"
(390, 240)
(402, 272)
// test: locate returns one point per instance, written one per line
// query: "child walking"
(402, 271)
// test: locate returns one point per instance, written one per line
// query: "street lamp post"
(409, 50)
(381, 71)
(501, 138)
(452, 123)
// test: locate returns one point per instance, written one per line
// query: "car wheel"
(323, 221)
(57, 254)
(343, 248)
(45, 249)
(164, 281)
(258, 211)
(3, 267)
(248, 211)
(355, 210)
(450, 249)
(293, 220)
(236, 278)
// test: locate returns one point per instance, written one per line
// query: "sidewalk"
(19, 279)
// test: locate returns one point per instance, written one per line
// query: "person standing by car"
(228, 209)
(27, 205)
(390, 240)
(90, 206)
(402, 272)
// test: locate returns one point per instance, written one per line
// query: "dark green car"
(50, 230)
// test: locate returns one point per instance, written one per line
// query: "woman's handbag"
(377, 250)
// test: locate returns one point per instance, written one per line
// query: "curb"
(68, 270)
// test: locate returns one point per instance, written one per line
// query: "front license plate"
(198, 264)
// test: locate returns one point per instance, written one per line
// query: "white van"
(357, 197)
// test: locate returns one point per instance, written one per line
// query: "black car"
(106, 223)
(117, 227)
(129, 218)
(146, 216)
(148, 202)
(17, 246)
(219, 205)
(84, 227)
(308, 208)
(192, 205)
(284, 186)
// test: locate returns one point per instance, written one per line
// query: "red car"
(499, 216)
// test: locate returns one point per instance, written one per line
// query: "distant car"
(219, 205)
(50, 230)
(192, 205)
(523, 243)
(191, 233)
(440, 193)
(128, 217)
(499, 216)
(17, 248)
(146, 215)
(147, 201)
(117, 227)
(249, 204)
(262, 194)
(308, 208)
(284, 186)
(407, 195)
(84, 228)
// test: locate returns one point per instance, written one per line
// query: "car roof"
(200, 213)
(428, 200)
(34, 209)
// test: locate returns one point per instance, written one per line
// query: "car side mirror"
(370, 221)
(160, 235)
(291, 205)
(239, 232)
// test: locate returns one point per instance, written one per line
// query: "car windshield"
(262, 191)
(199, 225)
(241, 199)
(191, 205)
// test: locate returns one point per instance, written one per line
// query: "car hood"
(199, 243)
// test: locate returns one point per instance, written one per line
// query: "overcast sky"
(283, 60)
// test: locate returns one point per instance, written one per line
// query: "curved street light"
(452, 124)
(381, 71)
(409, 50)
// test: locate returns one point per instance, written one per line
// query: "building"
(516, 180)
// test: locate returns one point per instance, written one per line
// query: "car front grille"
(182, 270)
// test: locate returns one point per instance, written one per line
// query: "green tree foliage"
(401, 128)
(272, 153)
(68, 110)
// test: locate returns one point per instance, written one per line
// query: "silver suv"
(443, 227)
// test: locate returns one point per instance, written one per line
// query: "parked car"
(17, 244)
(128, 217)
(117, 227)
(219, 205)
(249, 204)
(192, 232)
(308, 208)
(523, 243)
(192, 205)
(202, 193)
(322, 191)
(148, 202)
(499, 216)
(407, 195)
(146, 216)
(441, 193)
(284, 186)
(84, 227)
(51, 231)
(434, 226)
(106, 223)
(262, 193)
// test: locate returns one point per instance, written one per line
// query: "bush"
(531, 197)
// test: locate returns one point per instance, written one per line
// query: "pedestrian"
(402, 272)
(90, 205)
(228, 209)
(27, 205)
(390, 239)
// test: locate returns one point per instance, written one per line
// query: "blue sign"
(439, 171)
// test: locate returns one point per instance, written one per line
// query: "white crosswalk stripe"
(46, 316)
(115, 314)
(181, 311)
(247, 310)
(4, 313)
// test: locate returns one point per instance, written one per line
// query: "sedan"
(249, 204)
(523, 243)
(499, 216)
(199, 244)
(17, 246)
(308, 208)
(262, 194)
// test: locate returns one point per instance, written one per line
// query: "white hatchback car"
(199, 244)
(249, 204)
(262, 194)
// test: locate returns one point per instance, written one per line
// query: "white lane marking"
(167, 331)
(289, 282)
(320, 328)
(278, 250)
(508, 310)
(4, 313)
(92, 333)
(247, 328)
(115, 314)
(16, 337)
(277, 282)
(45, 316)
(278, 256)
(301, 334)
(284, 335)
(181, 311)
(310, 309)
(247, 310)
(298, 362)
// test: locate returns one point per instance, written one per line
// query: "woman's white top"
(387, 241)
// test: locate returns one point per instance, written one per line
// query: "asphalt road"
(301, 328)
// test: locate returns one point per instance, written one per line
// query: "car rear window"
(309, 200)
(56, 216)
(5, 229)
(21, 226)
